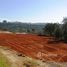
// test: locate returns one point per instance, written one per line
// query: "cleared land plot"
(16, 60)
(34, 46)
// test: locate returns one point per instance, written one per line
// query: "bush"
(53, 29)
(58, 33)
(48, 29)
(64, 28)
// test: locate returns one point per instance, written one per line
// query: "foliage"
(64, 28)
(21, 27)
(48, 28)
(51, 28)
(59, 31)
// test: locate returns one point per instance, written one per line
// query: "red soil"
(34, 46)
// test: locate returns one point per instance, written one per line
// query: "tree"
(50, 28)
(64, 28)
(58, 33)
(5, 21)
(28, 31)
(33, 30)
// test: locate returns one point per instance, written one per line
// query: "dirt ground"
(28, 50)
(24, 61)
(37, 47)
(19, 61)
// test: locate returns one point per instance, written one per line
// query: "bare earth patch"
(19, 60)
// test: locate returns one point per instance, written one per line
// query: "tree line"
(21, 27)
(59, 31)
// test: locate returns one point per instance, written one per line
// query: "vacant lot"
(39, 47)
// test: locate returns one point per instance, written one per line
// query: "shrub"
(64, 29)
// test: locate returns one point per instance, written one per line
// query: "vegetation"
(64, 28)
(4, 62)
(50, 28)
(59, 31)
(21, 27)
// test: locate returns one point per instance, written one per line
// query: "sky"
(33, 10)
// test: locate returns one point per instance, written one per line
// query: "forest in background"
(22, 27)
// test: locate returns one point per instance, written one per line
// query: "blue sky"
(33, 10)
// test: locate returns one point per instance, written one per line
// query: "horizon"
(33, 11)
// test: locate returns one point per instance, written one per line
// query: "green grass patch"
(4, 62)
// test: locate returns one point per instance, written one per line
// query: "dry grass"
(4, 61)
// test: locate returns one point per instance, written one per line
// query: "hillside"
(22, 27)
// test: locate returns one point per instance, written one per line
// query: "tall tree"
(64, 28)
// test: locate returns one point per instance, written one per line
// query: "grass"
(4, 62)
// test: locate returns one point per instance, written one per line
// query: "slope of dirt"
(18, 61)
(24, 61)
(35, 46)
